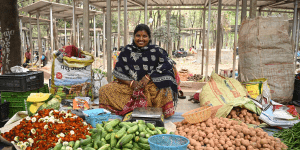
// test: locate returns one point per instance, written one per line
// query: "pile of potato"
(244, 115)
(222, 133)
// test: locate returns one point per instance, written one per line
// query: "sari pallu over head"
(134, 63)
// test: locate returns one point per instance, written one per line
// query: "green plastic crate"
(44, 89)
(17, 100)
(13, 111)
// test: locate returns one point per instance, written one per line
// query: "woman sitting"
(145, 78)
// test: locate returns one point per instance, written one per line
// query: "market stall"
(50, 121)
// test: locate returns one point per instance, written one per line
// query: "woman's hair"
(142, 27)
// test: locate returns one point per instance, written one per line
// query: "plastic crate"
(168, 142)
(4, 110)
(44, 89)
(95, 116)
(13, 111)
(17, 100)
(22, 82)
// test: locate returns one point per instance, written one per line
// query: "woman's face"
(141, 38)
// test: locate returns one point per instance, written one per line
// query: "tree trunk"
(9, 18)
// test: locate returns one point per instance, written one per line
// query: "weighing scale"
(149, 115)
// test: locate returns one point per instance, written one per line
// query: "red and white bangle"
(147, 76)
(131, 83)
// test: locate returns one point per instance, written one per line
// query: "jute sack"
(265, 51)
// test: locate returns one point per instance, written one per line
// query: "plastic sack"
(72, 76)
(259, 90)
(272, 118)
(227, 92)
(99, 81)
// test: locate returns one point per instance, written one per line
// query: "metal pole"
(30, 38)
(218, 48)
(169, 34)
(203, 40)
(297, 37)
(294, 32)
(95, 49)
(86, 45)
(146, 12)
(208, 30)
(51, 33)
(235, 38)
(98, 44)
(65, 33)
(39, 39)
(125, 23)
(104, 39)
(78, 34)
(119, 19)
(108, 35)
(21, 37)
(74, 25)
(294, 24)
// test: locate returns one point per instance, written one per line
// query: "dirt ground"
(188, 62)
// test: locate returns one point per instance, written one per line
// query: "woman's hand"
(135, 85)
(145, 80)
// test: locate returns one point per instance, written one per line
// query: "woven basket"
(198, 115)
(214, 110)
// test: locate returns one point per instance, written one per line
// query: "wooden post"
(253, 7)
(119, 19)
(125, 23)
(207, 49)
(86, 45)
(235, 37)
(104, 39)
(108, 35)
(244, 9)
(30, 38)
(95, 49)
(259, 11)
(65, 33)
(39, 39)
(51, 34)
(203, 40)
(146, 12)
(218, 48)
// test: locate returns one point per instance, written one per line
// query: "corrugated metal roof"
(59, 10)
(278, 4)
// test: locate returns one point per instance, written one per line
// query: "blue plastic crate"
(95, 116)
(168, 142)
